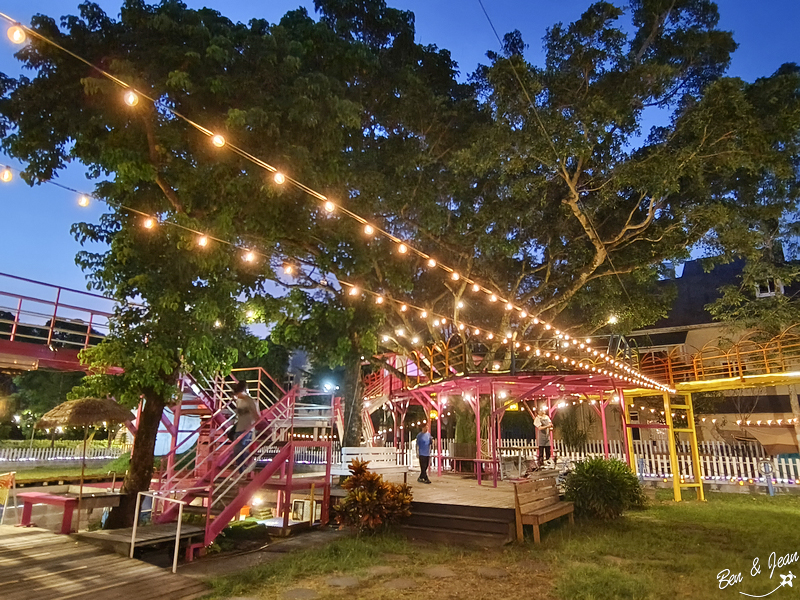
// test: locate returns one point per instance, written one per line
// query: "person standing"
(424, 452)
(544, 426)
(246, 417)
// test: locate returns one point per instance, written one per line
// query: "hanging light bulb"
(423, 314)
(330, 206)
(83, 201)
(402, 248)
(403, 308)
(401, 332)
(249, 256)
(477, 332)
(249, 314)
(353, 291)
(493, 298)
(218, 141)
(16, 34)
(461, 326)
(436, 322)
(523, 314)
(6, 175)
(217, 324)
(202, 241)
(379, 300)
(131, 98)
(369, 229)
(279, 178)
(149, 223)
(444, 320)
(415, 340)
(386, 338)
(490, 336)
(455, 276)
(288, 269)
(509, 306)
(431, 263)
(476, 287)
(460, 304)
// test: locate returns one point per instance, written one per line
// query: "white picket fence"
(47, 455)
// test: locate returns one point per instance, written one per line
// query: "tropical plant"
(603, 489)
(371, 504)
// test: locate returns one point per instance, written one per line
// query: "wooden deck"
(37, 564)
(119, 540)
(460, 490)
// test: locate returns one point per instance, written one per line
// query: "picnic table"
(68, 503)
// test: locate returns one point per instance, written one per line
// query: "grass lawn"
(667, 551)
(93, 468)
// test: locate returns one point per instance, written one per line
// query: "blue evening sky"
(35, 240)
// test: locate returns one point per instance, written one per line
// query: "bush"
(371, 503)
(603, 489)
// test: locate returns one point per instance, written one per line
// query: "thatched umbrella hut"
(84, 412)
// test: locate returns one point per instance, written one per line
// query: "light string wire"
(623, 373)
(330, 206)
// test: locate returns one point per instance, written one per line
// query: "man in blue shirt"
(424, 452)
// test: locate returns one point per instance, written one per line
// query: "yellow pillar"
(695, 450)
(628, 432)
(673, 451)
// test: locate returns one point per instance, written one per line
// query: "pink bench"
(31, 498)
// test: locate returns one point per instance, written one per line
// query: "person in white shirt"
(544, 426)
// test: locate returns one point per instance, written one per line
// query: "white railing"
(718, 461)
(27, 455)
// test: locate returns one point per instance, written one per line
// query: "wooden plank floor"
(147, 535)
(453, 488)
(35, 563)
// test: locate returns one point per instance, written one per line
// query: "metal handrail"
(154, 495)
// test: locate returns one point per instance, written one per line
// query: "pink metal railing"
(50, 314)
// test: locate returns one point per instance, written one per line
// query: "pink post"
(477, 408)
(603, 404)
(439, 435)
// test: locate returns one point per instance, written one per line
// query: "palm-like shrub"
(371, 503)
(603, 489)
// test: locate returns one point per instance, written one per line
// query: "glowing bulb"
(353, 291)
(379, 300)
(16, 34)
(217, 324)
(477, 332)
(431, 263)
(400, 331)
(444, 320)
(476, 287)
(612, 320)
(461, 327)
(131, 98)
(402, 248)
(202, 241)
(415, 340)
(218, 141)
(83, 201)
(6, 175)
(249, 256)
(330, 206)
(279, 178)
(455, 276)
(423, 314)
(509, 306)
(386, 338)
(490, 336)
(523, 314)
(369, 229)
(149, 223)
(460, 304)
(288, 269)
(403, 308)
(249, 314)
(436, 323)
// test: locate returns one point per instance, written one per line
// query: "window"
(769, 287)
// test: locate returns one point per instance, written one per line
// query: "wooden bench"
(30, 498)
(536, 501)
(381, 460)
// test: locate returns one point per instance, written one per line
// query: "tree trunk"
(353, 403)
(795, 414)
(140, 472)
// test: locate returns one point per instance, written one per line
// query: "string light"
(279, 178)
(202, 241)
(369, 229)
(476, 287)
(379, 300)
(131, 98)
(249, 256)
(219, 141)
(460, 304)
(353, 291)
(16, 34)
(149, 223)
(402, 248)
(288, 269)
(423, 314)
(83, 201)
(431, 263)
(6, 175)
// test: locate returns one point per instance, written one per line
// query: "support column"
(627, 432)
(673, 452)
(439, 435)
(698, 479)
(795, 413)
(603, 403)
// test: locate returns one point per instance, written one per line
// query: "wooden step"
(459, 510)
(472, 524)
(456, 537)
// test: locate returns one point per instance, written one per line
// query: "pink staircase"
(216, 480)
